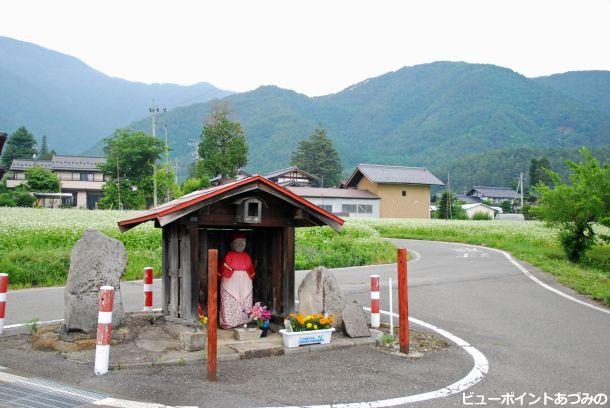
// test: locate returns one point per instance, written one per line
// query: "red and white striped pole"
(104, 330)
(148, 289)
(3, 289)
(375, 316)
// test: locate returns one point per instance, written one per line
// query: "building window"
(404, 193)
(86, 177)
(365, 209)
(349, 208)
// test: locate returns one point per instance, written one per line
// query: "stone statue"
(237, 272)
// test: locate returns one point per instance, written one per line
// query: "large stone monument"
(96, 260)
(319, 292)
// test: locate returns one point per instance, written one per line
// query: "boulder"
(96, 260)
(319, 292)
(354, 321)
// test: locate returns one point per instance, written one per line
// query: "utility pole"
(449, 203)
(118, 182)
(154, 110)
(521, 186)
(176, 170)
(167, 165)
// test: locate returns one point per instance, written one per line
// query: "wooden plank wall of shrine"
(270, 243)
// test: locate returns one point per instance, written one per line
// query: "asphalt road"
(536, 342)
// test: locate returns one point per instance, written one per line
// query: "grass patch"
(530, 241)
(35, 244)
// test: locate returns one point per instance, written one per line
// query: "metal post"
(391, 305)
(3, 290)
(148, 289)
(104, 330)
(375, 316)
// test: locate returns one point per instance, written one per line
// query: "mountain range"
(73, 104)
(441, 115)
(427, 115)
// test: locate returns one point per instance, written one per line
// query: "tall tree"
(449, 207)
(20, 145)
(44, 153)
(574, 208)
(41, 180)
(318, 156)
(223, 149)
(133, 154)
(539, 172)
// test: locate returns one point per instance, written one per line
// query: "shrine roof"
(162, 212)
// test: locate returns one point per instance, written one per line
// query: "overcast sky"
(314, 47)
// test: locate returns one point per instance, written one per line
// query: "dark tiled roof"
(386, 174)
(495, 192)
(278, 173)
(76, 162)
(22, 164)
(467, 199)
(60, 162)
(333, 192)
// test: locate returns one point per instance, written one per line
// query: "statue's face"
(238, 245)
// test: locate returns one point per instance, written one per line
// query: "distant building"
(293, 176)
(342, 202)
(218, 180)
(496, 195)
(81, 180)
(467, 199)
(404, 192)
(472, 209)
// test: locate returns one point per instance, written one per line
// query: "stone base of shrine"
(150, 340)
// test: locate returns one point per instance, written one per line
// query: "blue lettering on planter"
(311, 339)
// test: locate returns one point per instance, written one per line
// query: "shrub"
(481, 216)
(23, 199)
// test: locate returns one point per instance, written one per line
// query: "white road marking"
(12, 326)
(476, 374)
(530, 275)
(465, 254)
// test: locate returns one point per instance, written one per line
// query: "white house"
(347, 202)
(472, 209)
(81, 180)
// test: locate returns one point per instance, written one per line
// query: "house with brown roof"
(403, 192)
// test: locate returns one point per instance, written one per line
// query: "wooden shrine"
(205, 219)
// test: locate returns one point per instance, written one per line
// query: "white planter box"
(305, 338)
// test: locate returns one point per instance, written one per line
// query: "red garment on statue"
(236, 261)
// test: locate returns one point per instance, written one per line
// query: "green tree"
(131, 198)
(223, 149)
(318, 156)
(41, 180)
(574, 208)
(44, 153)
(167, 188)
(507, 207)
(20, 145)
(456, 213)
(539, 172)
(193, 183)
(134, 152)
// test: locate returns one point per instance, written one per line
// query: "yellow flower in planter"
(309, 325)
(315, 327)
